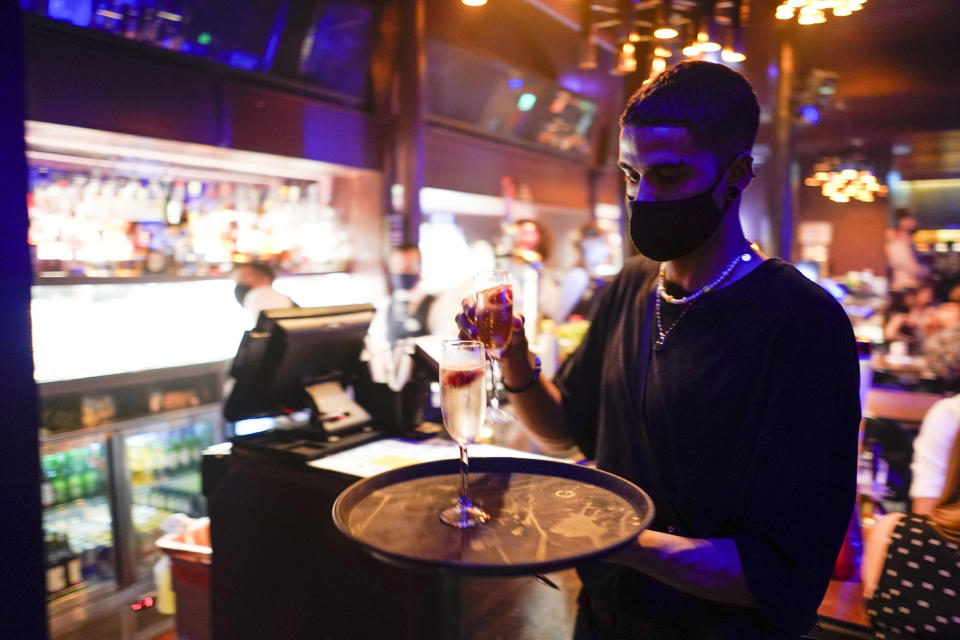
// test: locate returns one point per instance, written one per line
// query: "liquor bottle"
(75, 464)
(56, 573)
(48, 496)
(71, 563)
(88, 561)
(59, 480)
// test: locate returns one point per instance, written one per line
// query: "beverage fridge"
(119, 455)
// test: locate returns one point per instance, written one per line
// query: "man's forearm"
(539, 407)
(706, 568)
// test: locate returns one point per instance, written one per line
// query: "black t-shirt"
(751, 409)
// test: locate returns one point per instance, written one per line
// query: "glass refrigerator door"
(78, 537)
(164, 474)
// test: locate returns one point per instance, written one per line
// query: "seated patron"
(930, 450)
(911, 567)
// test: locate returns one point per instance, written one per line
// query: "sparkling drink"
(463, 402)
(462, 399)
(495, 317)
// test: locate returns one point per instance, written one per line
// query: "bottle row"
(157, 457)
(73, 474)
(80, 558)
(170, 498)
(85, 223)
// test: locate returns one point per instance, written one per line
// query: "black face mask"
(404, 280)
(670, 229)
(241, 291)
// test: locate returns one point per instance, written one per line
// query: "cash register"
(300, 366)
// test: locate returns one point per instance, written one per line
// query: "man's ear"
(741, 172)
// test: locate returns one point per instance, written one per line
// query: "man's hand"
(515, 362)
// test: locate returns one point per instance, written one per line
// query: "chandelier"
(845, 182)
(647, 33)
(815, 11)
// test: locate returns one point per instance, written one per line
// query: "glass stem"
(464, 480)
(494, 383)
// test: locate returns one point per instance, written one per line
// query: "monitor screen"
(290, 349)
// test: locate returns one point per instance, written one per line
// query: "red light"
(136, 606)
(148, 601)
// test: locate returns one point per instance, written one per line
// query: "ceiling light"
(729, 55)
(474, 3)
(842, 181)
(814, 11)
(691, 51)
(665, 33)
(658, 66)
(626, 60)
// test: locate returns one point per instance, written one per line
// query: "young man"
(719, 380)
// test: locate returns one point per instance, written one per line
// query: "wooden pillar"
(409, 145)
(782, 188)
(22, 588)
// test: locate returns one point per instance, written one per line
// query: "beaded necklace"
(688, 300)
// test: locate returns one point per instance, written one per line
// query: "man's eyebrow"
(671, 163)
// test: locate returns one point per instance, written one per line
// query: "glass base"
(464, 517)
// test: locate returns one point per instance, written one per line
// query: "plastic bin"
(190, 569)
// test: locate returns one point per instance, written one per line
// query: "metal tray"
(545, 515)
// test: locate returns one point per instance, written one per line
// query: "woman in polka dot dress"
(911, 568)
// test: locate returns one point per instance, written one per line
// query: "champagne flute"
(462, 401)
(494, 296)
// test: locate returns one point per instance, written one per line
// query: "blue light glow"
(811, 114)
(515, 83)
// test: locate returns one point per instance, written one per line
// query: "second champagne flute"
(462, 402)
(494, 296)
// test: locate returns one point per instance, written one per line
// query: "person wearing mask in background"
(254, 289)
(911, 566)
(906, 271)
(722, 382)
(581, 285)
(409, 307)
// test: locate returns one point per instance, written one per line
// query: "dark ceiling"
(897, 66)
(898, 72)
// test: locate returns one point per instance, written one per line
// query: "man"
(721, 381)
(254, 290)
(409, 308)
(906, 272)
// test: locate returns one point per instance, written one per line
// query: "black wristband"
(536, 376)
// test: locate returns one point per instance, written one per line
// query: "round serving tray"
(545, 515)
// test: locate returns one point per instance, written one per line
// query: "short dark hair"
(261, 268)
(715, 103)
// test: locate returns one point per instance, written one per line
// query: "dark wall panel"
(291, 125)
(475, 165)
(87, 84)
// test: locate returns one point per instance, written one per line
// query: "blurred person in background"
(525, 249)
(906, 271)
(409, 307)
(930, 450)
(581, 285)
(254, 289)
(908, 316)
(911, 566)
